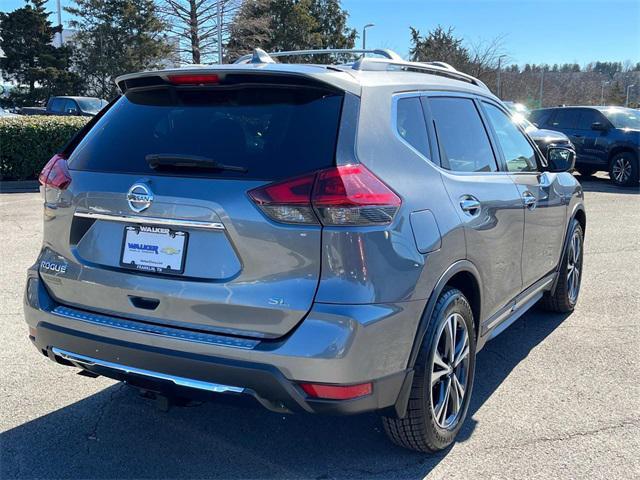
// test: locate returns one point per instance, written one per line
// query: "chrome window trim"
(82, 360)
(170, 222)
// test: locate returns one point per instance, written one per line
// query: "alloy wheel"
(621, 169)
(574, 264)
(450, 371)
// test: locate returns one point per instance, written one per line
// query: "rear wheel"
(623, 170)
(443, 379)
(565, 297)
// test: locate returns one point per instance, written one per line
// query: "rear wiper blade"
(159, 160)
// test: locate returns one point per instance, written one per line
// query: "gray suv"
(320, 238)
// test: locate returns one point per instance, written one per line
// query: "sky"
(541, 31)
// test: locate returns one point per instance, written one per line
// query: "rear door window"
(272, 132)
(411, 125)
(565, 118)
(464, 144)
(588, 117)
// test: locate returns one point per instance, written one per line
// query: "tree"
(195, 24)
(440, 45)
(276, 25)
(31, 59)
(116, 37)
(480, 59)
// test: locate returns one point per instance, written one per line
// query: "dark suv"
(605, 138)
(328, 239)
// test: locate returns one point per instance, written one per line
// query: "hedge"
(28, 142)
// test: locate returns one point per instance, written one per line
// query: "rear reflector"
(195, 79)
(344, 195)
(55, 173)
(337, 392)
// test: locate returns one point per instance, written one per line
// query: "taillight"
(336, 392)
(344, 195)
(288, 201)
(55, 173)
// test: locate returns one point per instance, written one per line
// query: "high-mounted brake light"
(344, 195)
(194, 79)
(337, 392)
(55, 173)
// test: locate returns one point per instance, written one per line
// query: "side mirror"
(598, 126)
(561, 159)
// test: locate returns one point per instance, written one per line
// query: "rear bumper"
(336, 344)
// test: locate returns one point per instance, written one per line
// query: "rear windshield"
(272, 132)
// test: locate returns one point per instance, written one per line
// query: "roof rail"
(434, 68)
(260, 56)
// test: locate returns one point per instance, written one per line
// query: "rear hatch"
(157, 223)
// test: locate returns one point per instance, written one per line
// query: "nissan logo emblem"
(139, 197)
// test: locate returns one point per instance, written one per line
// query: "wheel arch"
(580, 215)
(620, 149)
(462, 275)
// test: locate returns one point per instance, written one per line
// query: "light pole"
(364, 34)
(602, 92)
(59, 22)
(499, 68)
(219, 15)
(541, 84)
(626, 102)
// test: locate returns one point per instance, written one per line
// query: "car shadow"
(118, 434)
(601, 183)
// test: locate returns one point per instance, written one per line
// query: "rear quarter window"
(411, 125)
(272, 132)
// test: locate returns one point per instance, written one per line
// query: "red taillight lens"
(195, 79)
(55, 173)
(337, 392)
(352, 195)
(344, 195)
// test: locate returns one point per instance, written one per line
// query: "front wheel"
(623, 170)
(443, 379)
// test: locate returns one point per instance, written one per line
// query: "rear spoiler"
(226, 75)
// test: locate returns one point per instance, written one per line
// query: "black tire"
(564, 299)
(419, 429)
(623, 169)
(585, 171)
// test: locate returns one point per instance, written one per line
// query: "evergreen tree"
(440, 45)
(41, 69)
(276, 25)
(115, 37)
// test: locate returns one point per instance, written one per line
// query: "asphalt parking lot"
(555, 396)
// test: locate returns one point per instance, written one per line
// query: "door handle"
(470, 205)
(529, 199)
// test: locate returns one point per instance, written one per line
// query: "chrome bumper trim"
(136, 219)
(174, 333)
(82, 360)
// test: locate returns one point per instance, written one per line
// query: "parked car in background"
(4, 113)
(78, 106)
(330, 239)
(605, 138)
(543, 138)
